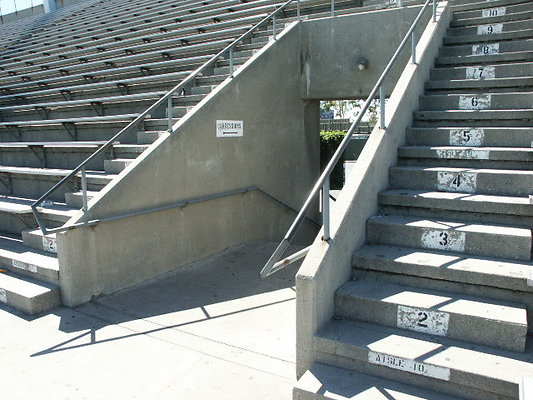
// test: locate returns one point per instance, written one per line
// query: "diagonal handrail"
(322, 184)
(80, 169)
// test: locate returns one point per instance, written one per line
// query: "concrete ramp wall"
(278, 153)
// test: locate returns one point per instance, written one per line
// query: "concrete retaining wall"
(328, 265)
(279, 153)
(331, 48)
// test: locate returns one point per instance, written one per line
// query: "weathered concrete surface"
(278, 152)
(210, 330)
(328, 265)
(331, 48)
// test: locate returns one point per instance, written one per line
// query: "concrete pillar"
(49, 5)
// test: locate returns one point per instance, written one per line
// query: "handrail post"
(325, 209)
(231, 62)
(84, 189)
(332, 8)
(434, 11)
(169, 113)
(413, 48)
(274, 27)
(298, 10)
(382, 106)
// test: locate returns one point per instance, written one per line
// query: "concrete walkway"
(211, 330)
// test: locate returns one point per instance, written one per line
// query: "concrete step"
(31, 183)
(456, 236)
(66, 155)
(495, 15)
(16, 257)
(465, 180)
(16, 214)
(464, 157)
(493, 27)
(485, 36)
(325, 382)
(474, 118)
(489, 11)
(461, 7)
(149, 137)
(478, 208)
(441, 364)
(116, 165)
(75, 199)
(493, 56)
(476, 86)
(34, 239)
(478, 101)
(488, 72)
(485, 276)
(497, 324)
(486, 48)
(28, 295)
(467, 136)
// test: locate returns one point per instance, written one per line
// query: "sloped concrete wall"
(278, 152)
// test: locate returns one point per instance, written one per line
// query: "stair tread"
(461, 197)
(463, 169)
(502, 312)
(459, 226)
(24, 286)
(467, 153)
(497, 371)
(13, 249)
(488, 271)
(17, 205)
(51, 172)
(334, 383)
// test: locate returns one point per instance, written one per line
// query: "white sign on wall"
(230, 128)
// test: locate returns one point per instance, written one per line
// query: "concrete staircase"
(440, 302)
(71, 81)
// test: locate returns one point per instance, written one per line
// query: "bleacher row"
(70, 84)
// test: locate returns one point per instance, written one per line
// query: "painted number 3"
(422, 318)
(443, 239)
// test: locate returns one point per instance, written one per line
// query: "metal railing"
(81, 168)
(321, 186)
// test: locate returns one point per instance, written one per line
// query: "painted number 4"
(443, 242)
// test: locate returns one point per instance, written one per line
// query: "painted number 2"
(422, 318)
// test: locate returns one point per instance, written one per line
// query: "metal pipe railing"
(166, 98)
(322, 184)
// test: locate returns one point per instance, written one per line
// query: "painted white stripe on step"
(484, 49)
(467, 137)
(489, 29)
(407, 365)
(24, 266)
(443, 240)
(493, 12)
(468, 154)
(530, 279)
(423, 320)
(457, 181)
(480, 72)
(474, 102)
(49, 244)
(3, 296)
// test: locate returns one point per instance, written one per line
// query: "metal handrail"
(167, 97)
(322, 184)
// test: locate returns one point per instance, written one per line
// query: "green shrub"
(329, 141)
